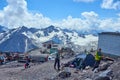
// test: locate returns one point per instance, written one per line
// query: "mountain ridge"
(23, 39)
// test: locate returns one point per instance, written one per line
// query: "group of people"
(98, 57)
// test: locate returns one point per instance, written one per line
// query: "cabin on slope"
(109, 42)
(52, 44)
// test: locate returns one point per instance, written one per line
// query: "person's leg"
(95, 65)
(98, 63)
(55, 63)
(58, 61)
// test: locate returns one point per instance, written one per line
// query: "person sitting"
(98, 57)
(27, 62)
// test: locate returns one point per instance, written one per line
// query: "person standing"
(98, 57)
(57, 59)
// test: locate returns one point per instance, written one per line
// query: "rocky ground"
(45, 71)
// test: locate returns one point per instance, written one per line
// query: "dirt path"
(16, 71)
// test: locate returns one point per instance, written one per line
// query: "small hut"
(109, 42)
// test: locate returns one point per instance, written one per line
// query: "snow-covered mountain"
(2, 29)
(23, 39)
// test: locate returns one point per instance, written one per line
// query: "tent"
(83, 60)
(89, 60)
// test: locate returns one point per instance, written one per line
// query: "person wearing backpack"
(57, 59)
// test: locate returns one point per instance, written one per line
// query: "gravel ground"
(45, 71)
(16, 71)
(37, 71)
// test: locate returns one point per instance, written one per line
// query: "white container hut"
(109, 42)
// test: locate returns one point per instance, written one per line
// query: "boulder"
(64, 74)
(103, 67)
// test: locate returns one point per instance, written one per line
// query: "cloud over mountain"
(91, 21)
(16, 14)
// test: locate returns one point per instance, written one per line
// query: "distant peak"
(51, 27)
(23, 27)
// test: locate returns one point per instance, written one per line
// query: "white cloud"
(73, 23)
(111, 4)
(90, 21)
(83, 0)
(15, 14)
(89, 15)
(110, 25)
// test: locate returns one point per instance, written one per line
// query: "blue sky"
(59, 9)
(82, 14)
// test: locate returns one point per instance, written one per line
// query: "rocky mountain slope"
(23, 39)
